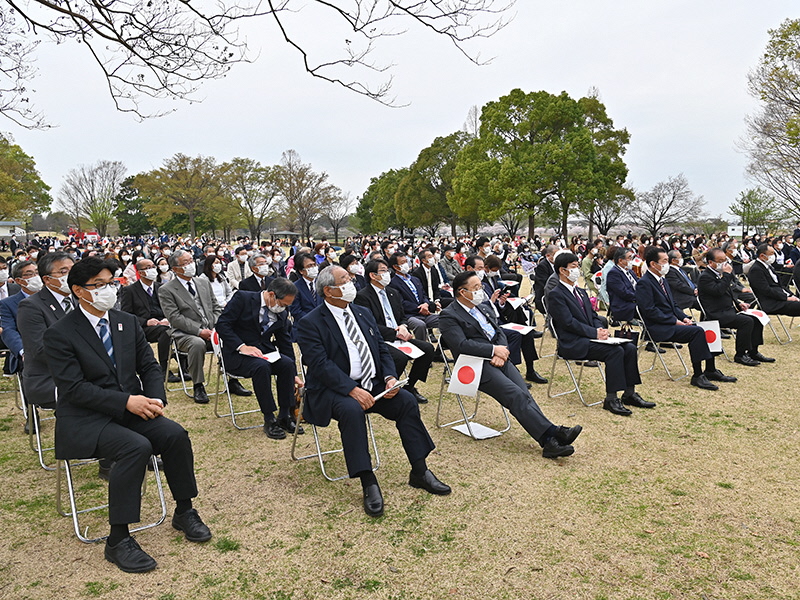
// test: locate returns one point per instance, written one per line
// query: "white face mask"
(771, 259)
(348, 291)
(33, 255)
(268, 259)
(574, 274)
(3, 275)
(356, 269)
(493, 273)
(216, 267)
(405, 268)
(478, 296)
(664, 269)
(62, 284)
(263, 270)
(242, 257)
(481, 274)
(34, 284)
(680, 262)
(150, 273)
(277, 309)
(104, 299)
(312, 272)
(431, 262)
(384, 278)
(189, 270)
(167, 252)
(163, 268)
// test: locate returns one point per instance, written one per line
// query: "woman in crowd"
(212, 271)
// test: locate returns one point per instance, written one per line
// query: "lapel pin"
(119, 326)
(53, 308)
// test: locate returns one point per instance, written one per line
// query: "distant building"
(9, 228)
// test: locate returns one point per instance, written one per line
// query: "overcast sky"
(674, 74)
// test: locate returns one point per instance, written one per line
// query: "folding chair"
(659, 356)
(576, 383)
(774, 331)
(65, 466)
(320, 454)
(466, 424)
(704, 317)
(35, 435)
(177, 354)
(222, 373)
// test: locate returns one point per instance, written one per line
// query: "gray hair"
(251, 261)
(551, 249)
(673, 254)
(172, 259)
(46, 262)
(282, 287)
(326, 278)
(16, 270)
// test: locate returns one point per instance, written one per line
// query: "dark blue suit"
(621, 295)
(410, 301)
(328, 385)
(240, 324)
(304, 302)
(660, 314)
(11, 337)
(253, 283)
(576, 325)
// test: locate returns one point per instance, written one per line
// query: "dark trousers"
(420, 367)
(521, 346)
(692, 335)
(749, 331)
(130, 444)
(506, 385)
(261, 371)
(402, 409)
(791, 309)
(622, 366)
(159, 334)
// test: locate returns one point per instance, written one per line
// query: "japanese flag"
(523, 329)
(407, 348)
(466, 375)
(758, 314)
(713, 335)
(516, 302)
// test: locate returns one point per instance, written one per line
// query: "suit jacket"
(410, 302)
(180, 308)
(540, 276)
(35, 314)
(463, 334)
(659, 311)
(304, 302)
(575, 325)
(368, 298)
(253, 283)
(239, 324)
(716, 294)
(327, 360)
(136, 301)
(13, 288)
(621, 295)
(420, 274)
(234, 272)
(92, 391)
(11, 337)
(771, 296)
(681, 286)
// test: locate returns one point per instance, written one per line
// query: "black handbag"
(627, 332)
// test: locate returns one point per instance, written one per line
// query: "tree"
(251, 189)
(90, 192)
(773, 141)
(305, 193)
(337, 213)
(131, 216)
(511, 222)
(167, 49)
(669, 203)
(607, 212)
(22, 191)
(381, 196)
(757, 210)
(182, 186)
(363, 214)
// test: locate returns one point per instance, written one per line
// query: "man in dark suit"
(306, 299)
(141, 300)
(259, 278)
(28, 283)
(429, 277)
(111, 404)
(352, 264)
(621, 286)
(577, 325)
(420, 310)
(343, 349)
(683, 288)
(387, 308)
(469, 327)
(772, 297)
(253, 325)
(543, 271)
(719, 304)
(666, 322)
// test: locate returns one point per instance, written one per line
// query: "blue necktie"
(105, 337)
(484, 323)
(686, 277)
(390, 322)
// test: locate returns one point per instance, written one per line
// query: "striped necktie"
(484, 323)
(367, 364)
(67, 305)
(105, 337)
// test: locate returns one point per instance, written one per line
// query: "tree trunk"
(192, 225)
(531, 226)
(591, 230)
(453, 227)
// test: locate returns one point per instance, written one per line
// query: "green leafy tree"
(381, 192)
(22, 191)
(757, 210)
(363, 215)
(131, 216)
(251, 190)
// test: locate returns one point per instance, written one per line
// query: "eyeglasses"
(101, 286)
(63, 271)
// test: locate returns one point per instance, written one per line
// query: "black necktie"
(191, 289)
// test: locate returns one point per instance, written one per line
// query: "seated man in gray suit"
(469, 328)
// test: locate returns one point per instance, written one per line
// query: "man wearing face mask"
(352, 265)
(577, 324)
(237, 268)
(772, 297)
(349, 364)
(543, 271)
(719, 304)
(420, 310)
(261, 272)
(684, 290)
(428, 275)
(34, 315)
(28, 283)
(306, 298)
(469, 327)
(449, 263)
(192, 310)
(253, 325)
(667, 323)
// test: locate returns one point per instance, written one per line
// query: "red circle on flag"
(518, 327)
(406, 349)
(758, 313)
(711, 336)
(216, 337)
(466, 375)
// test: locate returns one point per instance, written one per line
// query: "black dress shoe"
(288, 424)
(200, 396)
(650, 347)
(745, 360)
(717, 375)
(428, 482)
(675, 345)
(32, 414)
(613, 405)
(703, 383)
(104, 470)
(553, 449)
(417, 396)
(537, 334)
(274, 431)
(636, 400)
(130, 557)
(373, 500)
(192, 526)
(237, 389)
(172, 378)
(159, 462)
(761, 358)
(533, 376)
(592, 364)
(566, 435)
(724, 336)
